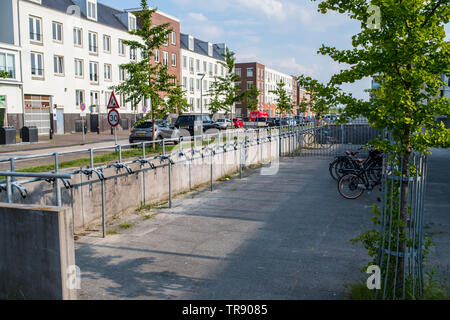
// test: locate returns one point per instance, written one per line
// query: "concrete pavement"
(263, 237)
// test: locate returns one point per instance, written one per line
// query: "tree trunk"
(403, 215)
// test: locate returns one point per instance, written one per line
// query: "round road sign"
(113, 118)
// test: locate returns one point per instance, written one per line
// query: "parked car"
(272, 122)
(224, 124)
(187, 122)
(144, 131)
(238, 123)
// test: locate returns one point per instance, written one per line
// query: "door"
(59, 121)
(2, 111)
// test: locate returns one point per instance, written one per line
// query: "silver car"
(144, 131)
(224, 124)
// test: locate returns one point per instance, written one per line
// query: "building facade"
(11, 94)
(201, 64)
(265, 80)
(71, 55)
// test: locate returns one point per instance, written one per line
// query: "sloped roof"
(105, 14)
(199, 46)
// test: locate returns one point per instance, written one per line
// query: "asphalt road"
(263, 237)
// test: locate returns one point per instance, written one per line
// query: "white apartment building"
(11, 96)
(200, 65)
(273, 77)
(64, 53)
(71, 51)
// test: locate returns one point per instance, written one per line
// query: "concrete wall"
(36, 249)
(125, 193)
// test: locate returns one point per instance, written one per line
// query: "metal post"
(164, 146)
(115, 135)
(58, 189)
(103, 209)
(91, 156)
(9, 189)
(212, 175)
(12, 166)
(170, 184)
(120, 154)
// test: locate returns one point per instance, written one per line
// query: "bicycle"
(354, 182)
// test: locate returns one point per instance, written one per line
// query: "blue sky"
(282, 34)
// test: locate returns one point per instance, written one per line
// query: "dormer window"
(92, 10)
(191, 43)
(132, 23)
(210, 49)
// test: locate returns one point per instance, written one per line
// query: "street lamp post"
(202, 75)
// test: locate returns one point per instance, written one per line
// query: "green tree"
(407, 51)
(251, 97)
(283, 101)
(144, 79)
(4, 75)
(321, 96)
(176, 102)
(224, 90)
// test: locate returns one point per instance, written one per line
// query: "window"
(57, 31)
(249, 72)
(107, 44)
(37, 67)
(94, 98)
(205, 85)
(166, 41)
(132, 23)
(92, 10)
(133, 55)
(191, 43)
(77, 37)
(79, 97)
(79, 68)
(174, 59)
(204, 66)
(157, 57)
(174, 38)
(184, 62)
(35, 29)
(210, 69)
(108, 72)
(191, 102)
(215, 69)
(122, 74)
(249, 84)
(121, 47)
(93, 72)
(221, 70)
(7, 64)
(198, 84)
(191, 65)
(58, 65)
(197, 65)
(165, 58)
(191, 85)
(184, 83)
(93, 48)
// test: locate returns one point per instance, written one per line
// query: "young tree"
(283, 101)
(224, 90)
(176, 102)
(144, 79)
(251, 97)
(405, 47)
(321, 96)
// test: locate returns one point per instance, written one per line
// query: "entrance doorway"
(3, 111)
(59, 121)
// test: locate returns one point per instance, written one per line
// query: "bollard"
(212, 177)
(103, 209)
(170, 184)
(9, 189)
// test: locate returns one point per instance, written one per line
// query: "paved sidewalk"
(263, 237)
(67, 140)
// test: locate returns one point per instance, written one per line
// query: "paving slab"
(262, 237)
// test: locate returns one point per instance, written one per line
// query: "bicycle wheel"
(349, 186)
(334, 168)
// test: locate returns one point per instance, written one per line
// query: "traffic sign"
(83, 107)
(113, 104)
(144, 109)
(113, 118)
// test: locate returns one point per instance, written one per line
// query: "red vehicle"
(238, 123)
(257, 114)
